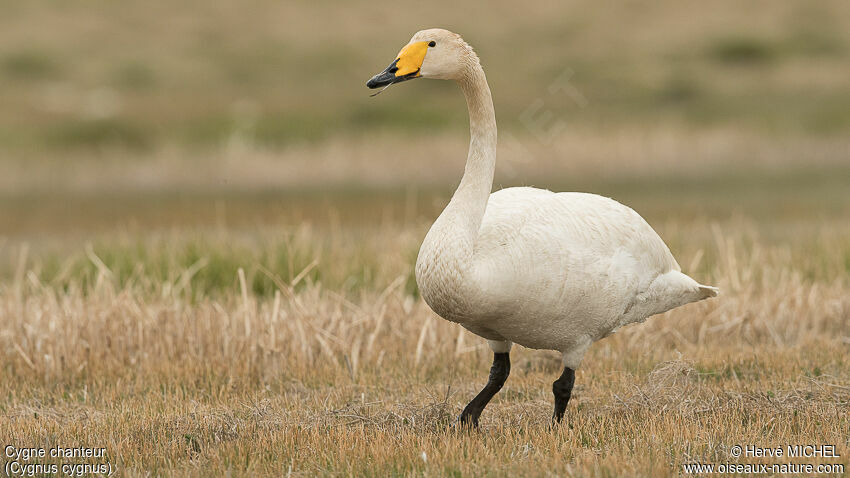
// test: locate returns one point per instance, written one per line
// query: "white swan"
(525, 265)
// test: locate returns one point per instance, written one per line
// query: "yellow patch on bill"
(410, 58)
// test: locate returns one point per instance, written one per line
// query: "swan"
(544, 270)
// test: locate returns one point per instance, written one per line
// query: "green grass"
(214, 265)
(275, 235)
(28, 66)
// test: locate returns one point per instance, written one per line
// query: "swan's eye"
(432, 43)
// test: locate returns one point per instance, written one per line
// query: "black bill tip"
(388, 77)
(381, 79)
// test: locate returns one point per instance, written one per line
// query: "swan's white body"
(523, 265)
(553, 271)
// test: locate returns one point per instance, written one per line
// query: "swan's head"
(433, 53)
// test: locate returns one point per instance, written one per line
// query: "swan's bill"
(390, 76)
(405, 67)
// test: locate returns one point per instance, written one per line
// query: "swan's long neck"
(445, 259)
(470, 199)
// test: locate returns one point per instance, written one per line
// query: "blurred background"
(127, 123)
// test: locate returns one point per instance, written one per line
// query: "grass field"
(206, 251)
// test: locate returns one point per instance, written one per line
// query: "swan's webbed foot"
(563, 389)
(498, 374)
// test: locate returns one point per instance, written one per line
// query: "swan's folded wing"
(539, 250)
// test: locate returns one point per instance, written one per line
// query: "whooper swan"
(522, 265)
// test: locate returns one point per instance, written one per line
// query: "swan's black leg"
(498, 374)
(563, 388)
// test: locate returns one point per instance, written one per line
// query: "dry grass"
(368, 382)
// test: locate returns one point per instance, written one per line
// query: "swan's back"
(581, 221)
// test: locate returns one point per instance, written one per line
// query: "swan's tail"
(668, 291)
(707, 292)
(687, 288)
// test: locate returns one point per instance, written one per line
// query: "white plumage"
(552, 271)
(523, 265)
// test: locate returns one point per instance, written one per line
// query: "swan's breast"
(441, 274)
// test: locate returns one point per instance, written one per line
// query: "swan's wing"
(539, 252)
(563, 222)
